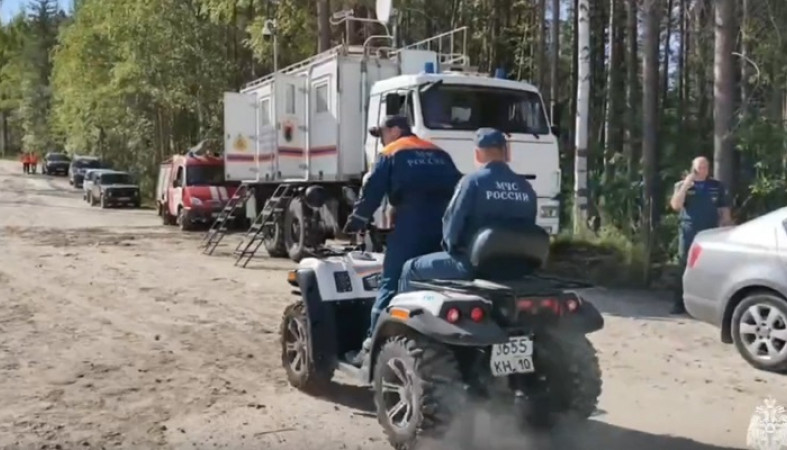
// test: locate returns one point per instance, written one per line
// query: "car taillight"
(477, 314)
(452, 315)
(694, 255)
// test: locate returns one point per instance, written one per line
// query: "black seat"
(503, 254)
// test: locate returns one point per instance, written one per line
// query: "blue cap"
(391, 122)
(490, 137)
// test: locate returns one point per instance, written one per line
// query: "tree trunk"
(723, 91)
(632, 90)
(541, 51)
(323, 25)
(667, 51)
(554, 61)
(650, 121)
(614, 89)
(582, 119)
(682, 51)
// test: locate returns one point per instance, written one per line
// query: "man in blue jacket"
(494, 196)
(418, 178)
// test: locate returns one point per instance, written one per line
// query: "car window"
(57, 157)
(116, 178)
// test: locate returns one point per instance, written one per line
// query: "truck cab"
(447, 108)
(192, 190)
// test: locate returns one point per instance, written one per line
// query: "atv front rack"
(533, 285)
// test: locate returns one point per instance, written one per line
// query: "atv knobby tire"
(437, 392)
(571, 367)
(307, 375)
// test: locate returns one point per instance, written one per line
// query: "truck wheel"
(295, 230)
(183, 220)
(573, 377)
(273, 239)
(418, 390)
(296, 351)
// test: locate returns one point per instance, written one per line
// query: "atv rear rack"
(529, 285)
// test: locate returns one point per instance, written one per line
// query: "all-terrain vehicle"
(520, 342)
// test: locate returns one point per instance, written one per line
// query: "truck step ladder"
(253, 239)
(219, 228)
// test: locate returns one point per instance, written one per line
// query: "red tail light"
(551, 304)
(694, 255)
(452, 315)
(477, 314)
(525, 304)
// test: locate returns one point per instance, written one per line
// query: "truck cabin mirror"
(555, 130)
(176, 183)
(393, 103)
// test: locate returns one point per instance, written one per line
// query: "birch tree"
(582, 119)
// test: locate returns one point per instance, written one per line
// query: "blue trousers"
(400, 247)
(438, 265)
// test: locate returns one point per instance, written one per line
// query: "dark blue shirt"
(417, 177)
(701, 206)
(494, 196)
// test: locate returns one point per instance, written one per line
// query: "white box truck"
(306, 125)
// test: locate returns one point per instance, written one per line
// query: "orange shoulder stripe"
(407, 143)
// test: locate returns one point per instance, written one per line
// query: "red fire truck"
(191, 189)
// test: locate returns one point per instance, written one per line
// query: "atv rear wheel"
(418, 390)
(296, 352)
(573, 377)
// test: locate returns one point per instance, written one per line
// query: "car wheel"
(183, 221)
(759, 331)
(103, 201)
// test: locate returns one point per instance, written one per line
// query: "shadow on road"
(651, 305)
(592, 435)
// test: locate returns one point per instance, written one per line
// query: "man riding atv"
(494, 197)
(418, 179)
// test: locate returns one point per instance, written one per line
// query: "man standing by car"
(701, 203)
(418, 178)
(494, 196)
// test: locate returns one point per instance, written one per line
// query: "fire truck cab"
(191, 189)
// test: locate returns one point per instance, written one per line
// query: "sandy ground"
(116, 332)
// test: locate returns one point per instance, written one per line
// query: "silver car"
(736, 279)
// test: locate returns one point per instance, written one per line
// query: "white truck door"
(241, 160)
(292, 160)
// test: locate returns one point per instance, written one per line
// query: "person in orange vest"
(25, 162)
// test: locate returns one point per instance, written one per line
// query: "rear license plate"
(122, 199)
(515, 356)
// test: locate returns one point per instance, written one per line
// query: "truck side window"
(179, 177)
(406, 100)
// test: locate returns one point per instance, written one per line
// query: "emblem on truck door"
(287, 130)
(240, 143)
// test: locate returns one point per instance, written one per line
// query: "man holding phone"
(701, 203)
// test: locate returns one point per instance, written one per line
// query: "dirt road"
(116, 332)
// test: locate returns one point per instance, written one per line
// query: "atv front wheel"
(418, 390)
(573, 377)
(296, 352)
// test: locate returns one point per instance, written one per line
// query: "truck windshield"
(116, 178)
(204, 175)
(463, 107)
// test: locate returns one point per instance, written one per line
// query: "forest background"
(135, 81)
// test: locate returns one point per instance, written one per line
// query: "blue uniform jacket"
(418, 178)
(494, 196)
(701, 206)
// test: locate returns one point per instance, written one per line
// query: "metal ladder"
(219, 228)
(253, 240)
